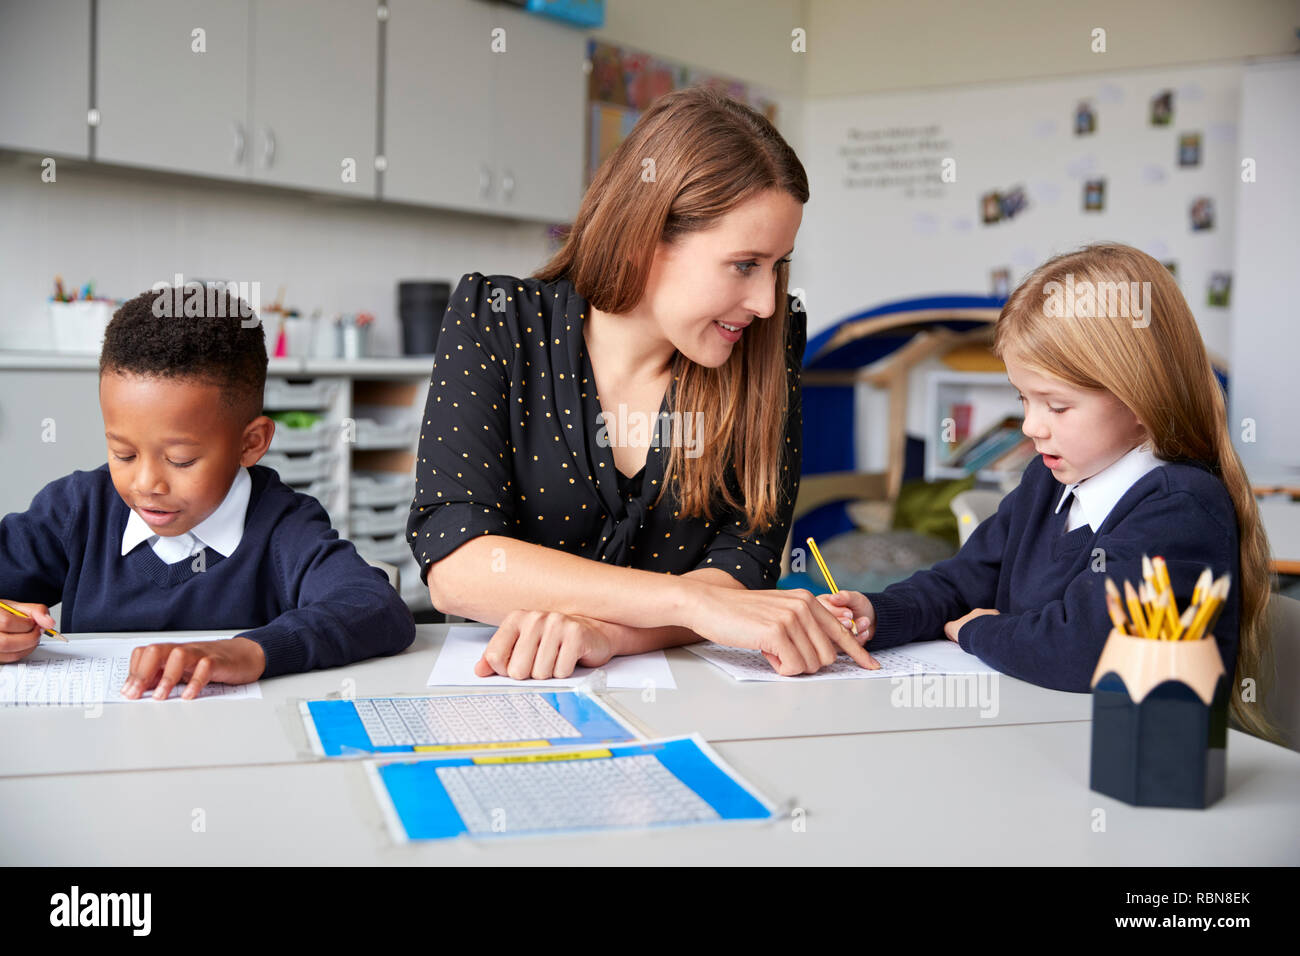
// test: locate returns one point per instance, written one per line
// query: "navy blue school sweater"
(1049, 586)
(292, 585)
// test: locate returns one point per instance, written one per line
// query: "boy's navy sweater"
(1049, 586)
(292, 585)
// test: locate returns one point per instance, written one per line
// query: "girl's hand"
(796, 633)
(952, 627)
(542, 644)
(235, 660)
(19, 636)
(852, 606)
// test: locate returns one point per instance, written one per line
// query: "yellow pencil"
(1155, 625)
(1184, 622)
(1162, 581)
(1218, 606)
(1114, 607)
(1162, 574)
(45, 630)
(826, 573)
(1147, 595)
(1202, 586)
(1135, 610)
(1209, 612)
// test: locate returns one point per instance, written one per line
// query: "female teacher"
(631, 410)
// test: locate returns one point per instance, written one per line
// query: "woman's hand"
(542, 644)
(796, 632)
(952, 628)
(235, 660)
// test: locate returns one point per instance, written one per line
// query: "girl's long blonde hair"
(710, 155)
(1162, 373)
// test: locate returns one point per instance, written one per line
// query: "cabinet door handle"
(484, 181)
(508, 184)
(268, 148)
(239, 143)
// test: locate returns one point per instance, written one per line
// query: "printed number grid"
(893, 661)
(571, 794)
(77, 681)
(468, 719)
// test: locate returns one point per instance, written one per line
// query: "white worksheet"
(465, 644)
(92, 671)
(924, 657)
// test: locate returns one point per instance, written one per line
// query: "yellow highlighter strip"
(540, 758)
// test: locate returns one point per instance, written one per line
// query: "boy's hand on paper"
(796, 632)
(235, 660)
(543, 644)
(19, 636)
(953, 627)
(852, 606)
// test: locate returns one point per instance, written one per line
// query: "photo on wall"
(1094, 195)
(1085, 118)
(991, 208)
(1189, 149)
(1000, 283)
(1202, 213)
(1162, 108)
(1220, 290)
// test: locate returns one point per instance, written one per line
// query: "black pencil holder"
(1160, 722)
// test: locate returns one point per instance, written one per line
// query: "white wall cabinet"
(483, 108)
(162, 104)
(471, 125)
(277, 91)
(45, 76)
(438, 120)
(315, 90)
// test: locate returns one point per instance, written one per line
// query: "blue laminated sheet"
(509, 720)
(675, 781)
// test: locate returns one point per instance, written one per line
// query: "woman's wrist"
(685, 597)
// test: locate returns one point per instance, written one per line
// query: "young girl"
(1130, 424)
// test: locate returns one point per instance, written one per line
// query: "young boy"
(183, 530)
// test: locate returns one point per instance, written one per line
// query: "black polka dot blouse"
(509, 446)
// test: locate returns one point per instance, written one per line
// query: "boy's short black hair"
(192, 332)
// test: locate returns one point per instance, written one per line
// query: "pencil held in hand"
(47, 631)
(826, 573)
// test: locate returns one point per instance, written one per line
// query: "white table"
(140, 736)
(1005, 794)
(867, 782)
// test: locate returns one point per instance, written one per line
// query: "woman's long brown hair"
(710, 154)
(1163, 374)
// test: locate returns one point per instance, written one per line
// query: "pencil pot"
(1159, 722)
(79, 326)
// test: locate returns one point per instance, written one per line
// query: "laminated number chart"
(460, 722)
(676, 781)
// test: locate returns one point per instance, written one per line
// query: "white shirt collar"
(221, 531)
(1095, 497)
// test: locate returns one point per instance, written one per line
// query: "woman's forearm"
(637, 640)
(487, 578)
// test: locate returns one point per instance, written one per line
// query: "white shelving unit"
(370, 412)
(991, 398)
